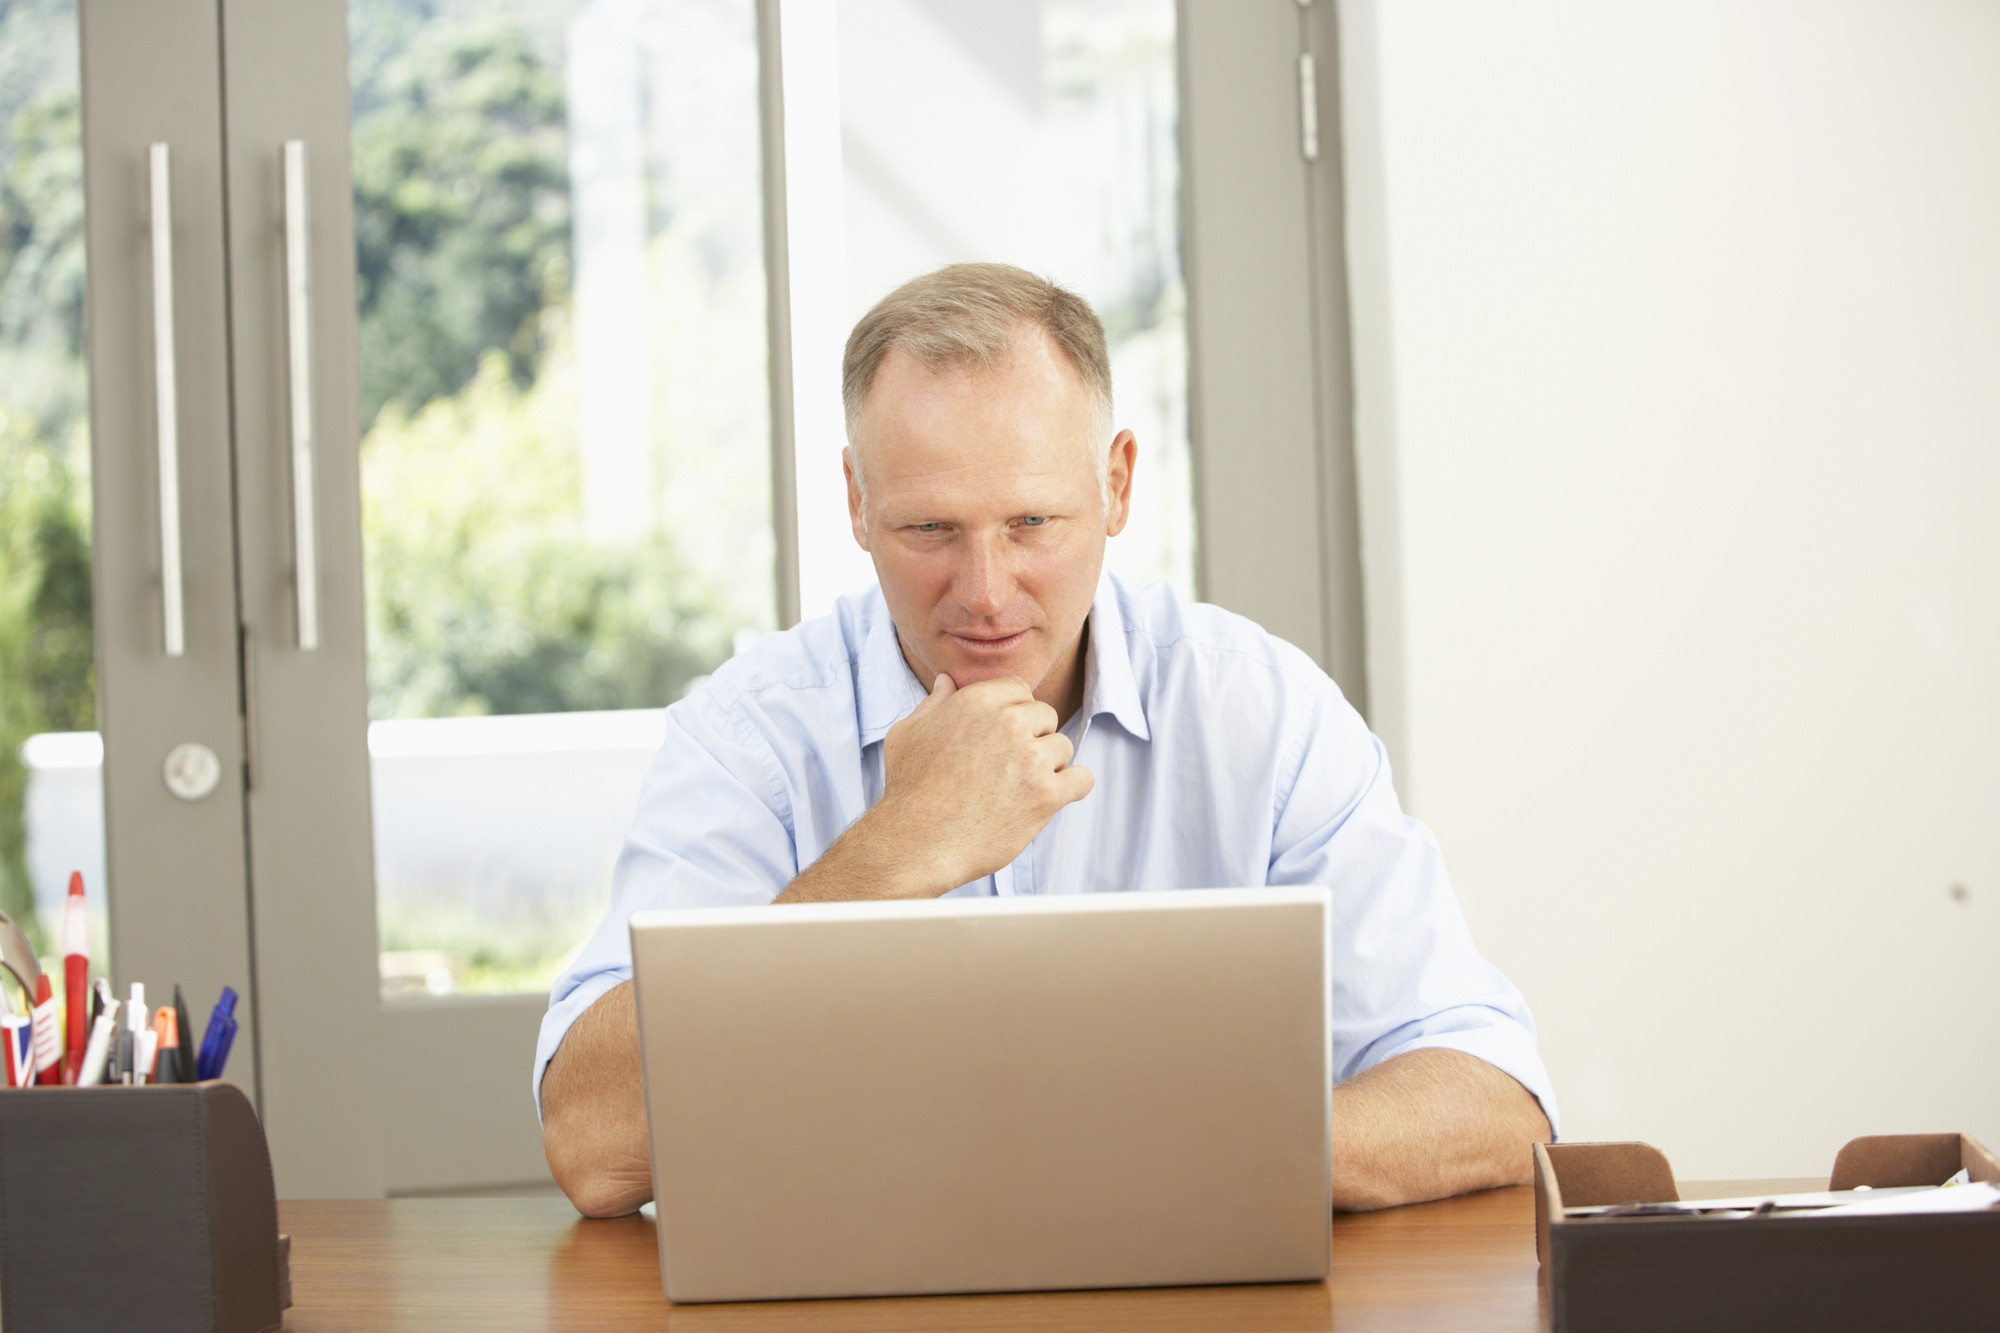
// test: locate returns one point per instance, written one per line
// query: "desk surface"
(1462, 1264)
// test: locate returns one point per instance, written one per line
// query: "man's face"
(984, 514)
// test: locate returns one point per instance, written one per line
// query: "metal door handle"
(166, 408)
(298, 315)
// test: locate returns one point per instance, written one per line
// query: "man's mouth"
(984, 645)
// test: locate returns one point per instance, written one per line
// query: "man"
(999, 717)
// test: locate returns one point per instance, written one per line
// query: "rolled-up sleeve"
(1405, 973)
(713, 829)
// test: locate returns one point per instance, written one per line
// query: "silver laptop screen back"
(987, 1095)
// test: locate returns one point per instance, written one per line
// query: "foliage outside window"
(47, 680)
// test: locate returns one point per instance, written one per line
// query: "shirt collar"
(1108, 683)
(886, 689)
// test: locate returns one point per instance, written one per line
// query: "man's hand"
(969, 778)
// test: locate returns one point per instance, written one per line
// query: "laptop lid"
(997, 1094)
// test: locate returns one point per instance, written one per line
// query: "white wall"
(1678, 331)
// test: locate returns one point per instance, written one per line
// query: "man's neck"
(1062, 689)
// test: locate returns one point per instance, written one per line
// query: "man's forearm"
(1428, 1125)
(594, 1110)
(874, 858)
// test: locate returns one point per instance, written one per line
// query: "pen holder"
(146, 1207)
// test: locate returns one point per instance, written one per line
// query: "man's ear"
(854, 497)
(1118, 481)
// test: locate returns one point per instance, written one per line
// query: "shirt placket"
(1019, 879)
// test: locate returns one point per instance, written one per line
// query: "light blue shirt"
(1224, 758)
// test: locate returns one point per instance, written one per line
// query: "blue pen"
(216, 1040)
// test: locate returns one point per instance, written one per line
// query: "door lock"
(192, 770)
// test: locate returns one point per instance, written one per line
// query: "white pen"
(125, 1039)
(145, 1043)
(98, 1052)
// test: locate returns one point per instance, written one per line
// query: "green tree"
(461, 206)
(47, 679)
(484, 593)
(41, 256)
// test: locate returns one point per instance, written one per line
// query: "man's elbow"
(595, 1186)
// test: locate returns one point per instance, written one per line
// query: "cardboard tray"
(1636, 1274)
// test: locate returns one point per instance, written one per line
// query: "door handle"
(298, 344)
(166, 407)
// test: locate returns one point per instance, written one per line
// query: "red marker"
(76, 975)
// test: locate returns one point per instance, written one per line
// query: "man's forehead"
(1020, 417)
(1031, 365)
(1005, 478)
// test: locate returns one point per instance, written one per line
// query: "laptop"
(998, 1094)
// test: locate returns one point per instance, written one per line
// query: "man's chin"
(964, 674)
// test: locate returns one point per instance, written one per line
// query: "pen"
(76, 972)
(135, 1024)
(166, 1045)
(97, 1054)
(215, 1041)
(48, 1036)
(145, 1045)
(184, 1071)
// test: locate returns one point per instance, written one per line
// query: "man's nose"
(985, 578)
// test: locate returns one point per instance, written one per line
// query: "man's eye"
(930, 527)
(1035, 520)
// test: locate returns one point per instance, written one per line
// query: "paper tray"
(1637, 1274)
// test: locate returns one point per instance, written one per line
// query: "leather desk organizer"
(141, 1208)
(1638, 1274)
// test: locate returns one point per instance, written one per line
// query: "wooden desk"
(1463, 1264)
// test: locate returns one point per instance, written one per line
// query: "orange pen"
(167, 1047)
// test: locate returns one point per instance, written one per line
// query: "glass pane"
(51, 760)
(1042, 133)
(566, 452)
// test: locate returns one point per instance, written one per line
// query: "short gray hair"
(970, 315)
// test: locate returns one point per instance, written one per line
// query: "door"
(505, 349)
(165, 611)
(542, 505)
